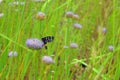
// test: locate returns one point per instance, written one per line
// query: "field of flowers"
(59, 40)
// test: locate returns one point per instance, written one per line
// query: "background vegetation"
(91, 60)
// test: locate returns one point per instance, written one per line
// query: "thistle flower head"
(47, 59)
(34, 43)
(110, 48)
(69, 14)
(74, 45)
(104, 30)
(78, 26)
(75, 16)
(12, 53)
(15, 53)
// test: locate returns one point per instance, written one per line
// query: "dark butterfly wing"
(47, 39)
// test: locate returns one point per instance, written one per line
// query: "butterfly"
(47, 39)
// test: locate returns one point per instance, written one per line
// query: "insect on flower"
(35, 43)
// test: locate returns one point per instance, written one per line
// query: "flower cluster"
(72, 15)
(34, 43)
(12, 53)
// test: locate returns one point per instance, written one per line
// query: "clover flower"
(47, 59)
(12, 53)
(77, 25)
(74, 45)
(40, 16)
(34, 43)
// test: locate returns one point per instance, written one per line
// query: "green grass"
(17, 26)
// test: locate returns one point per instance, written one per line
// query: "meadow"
(86, 43)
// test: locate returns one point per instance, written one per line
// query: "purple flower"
(74, 45)
(15, 54)
(110, 48)
(104, 30)
(34, 43)
(48, 59)
(77, 25)
(12, 53)
(75, 16)
(69, 14)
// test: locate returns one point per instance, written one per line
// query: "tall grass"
(92, 60)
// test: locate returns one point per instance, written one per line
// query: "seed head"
(40, 16)
(48, 59)
(34, 43)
